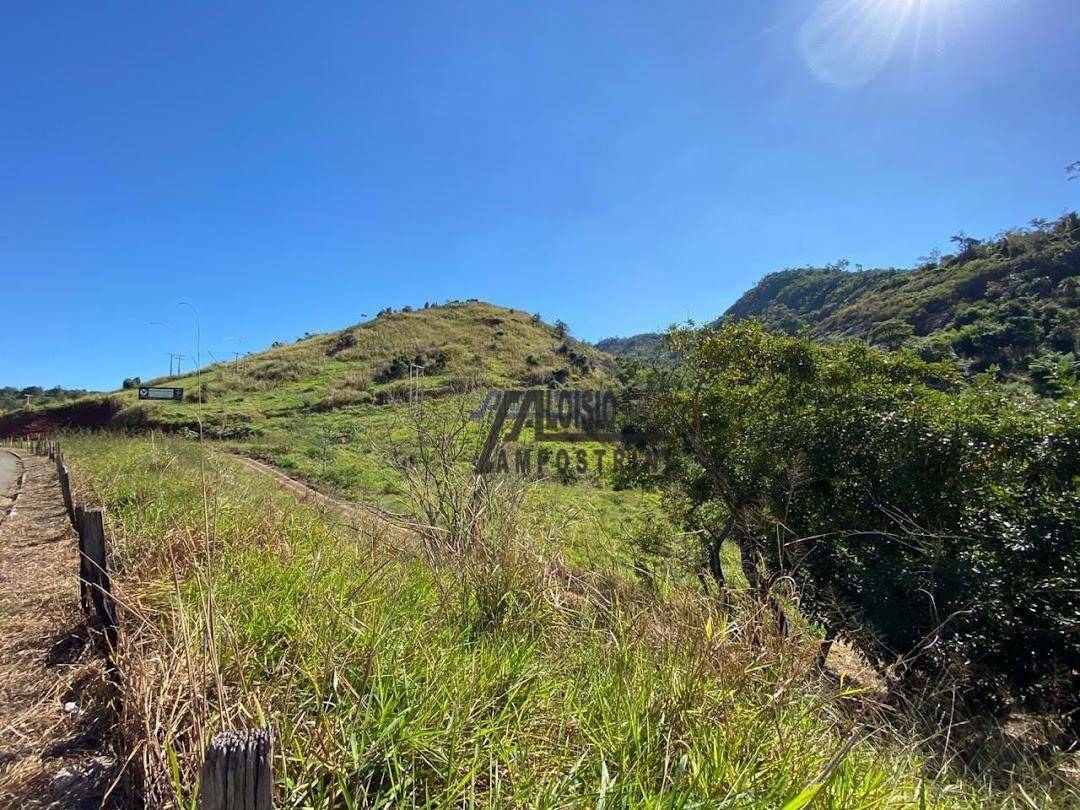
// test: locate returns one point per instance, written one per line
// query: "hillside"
(452, 348)
(582, 605)
(12, 398)
(317, 406)
(1010, 301)
(645, 347)
(458, 346)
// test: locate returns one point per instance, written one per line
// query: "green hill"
(447, 349)
(316, 406)
(1010, 301)
(646, 346)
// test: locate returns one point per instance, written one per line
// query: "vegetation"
(316, 407)
(645, 347)
(935, 522)
(1003, 302)
(14, 398)
(1009, 303)
(637, 637)
(475, 675)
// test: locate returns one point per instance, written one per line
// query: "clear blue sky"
(287, 167)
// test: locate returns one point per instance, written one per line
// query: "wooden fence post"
(84, 576)
(94, 571)
(65, 491)
(236, 773)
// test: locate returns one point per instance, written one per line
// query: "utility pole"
(176, 357)
(416, 373)
(28, 399)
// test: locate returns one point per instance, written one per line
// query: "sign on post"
(161, 393)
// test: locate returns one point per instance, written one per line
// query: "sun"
(846, 43)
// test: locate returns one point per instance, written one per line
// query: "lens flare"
(846, 43)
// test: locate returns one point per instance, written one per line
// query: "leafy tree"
(892, 334)
(12, 398)
(925, 518)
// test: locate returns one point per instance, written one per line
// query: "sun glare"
(846, 43)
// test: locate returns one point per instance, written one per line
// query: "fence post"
(84, 575)
(65, 491)
(94, 571)
(236, 772)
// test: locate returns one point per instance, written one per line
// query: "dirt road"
(356, 515)
(10, 471)
(55, 717)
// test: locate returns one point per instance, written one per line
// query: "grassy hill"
(461, 346)
(1012, 301)
(452, 348)
(320, 407)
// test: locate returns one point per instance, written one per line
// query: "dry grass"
(56, 710)
(483, 672)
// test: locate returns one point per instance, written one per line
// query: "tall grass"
(397, 680)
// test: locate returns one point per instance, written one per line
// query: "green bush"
(921, 516)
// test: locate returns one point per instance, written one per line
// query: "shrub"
(432, 362)
(345, 340)
(922, 517)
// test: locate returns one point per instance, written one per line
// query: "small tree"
(932, 521)
(458, 510)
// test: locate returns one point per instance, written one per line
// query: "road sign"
(161, 393)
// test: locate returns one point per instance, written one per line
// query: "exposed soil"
(56, 709)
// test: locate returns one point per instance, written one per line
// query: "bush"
(345, 340)
(922, 517)
(432, 362)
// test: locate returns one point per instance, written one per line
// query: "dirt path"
(10, 475)
(54, 697)
(844, 661)
(354, 514)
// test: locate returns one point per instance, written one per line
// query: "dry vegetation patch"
(56, 710)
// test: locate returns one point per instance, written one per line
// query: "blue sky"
(289, 167)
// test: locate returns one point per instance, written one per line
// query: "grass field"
(502, 675)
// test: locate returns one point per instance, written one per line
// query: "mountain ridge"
(1011, 302)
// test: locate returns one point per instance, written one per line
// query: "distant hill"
(448, 349)
(1012, 301)
(12, 398)
(645, 346)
